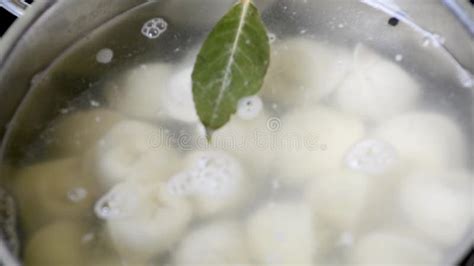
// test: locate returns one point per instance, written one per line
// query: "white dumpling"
(304, 71)
(214, 180)
(375, 87)
(282, 234)
(203, 13)
(139, 92)
(58, 189)
(143, 220)
(323, 137)
(75, 133)
(339, 198)
(134, 150)
(439, 204)
(56, 244)
(425, 140)
(219, 243)
(177, 97)
(249, 140)
(389, 248)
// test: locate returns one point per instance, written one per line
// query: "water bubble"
(119, 202)
(371, 156)
(104, 56)
(87, 238)
(153, 32)
(249, 107)
(215, 175)
(64, 111)
(153, 28)
(398, 57)
(271, 37)
(211, 175)
(77, 194)
(181, 184)
(94, 103)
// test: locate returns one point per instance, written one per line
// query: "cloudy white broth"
(351, 154)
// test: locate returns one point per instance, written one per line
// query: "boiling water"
(347, 156)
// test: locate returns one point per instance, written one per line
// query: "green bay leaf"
(231, 64)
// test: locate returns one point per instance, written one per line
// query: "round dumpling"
(388, 248)
(219, 243)
(376, 88)
(75, 133)
(53, 190)
(134, 150)
(143, 220)
(214, 180)
(203, 13)
(436, 201)
(57, 244)
(313, 141)
(138, 94)
(177, 97)
(304, 71)
(425, 140)
(339, 198)
(248, 140)
(282, 234)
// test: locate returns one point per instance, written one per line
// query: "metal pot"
(49, 27)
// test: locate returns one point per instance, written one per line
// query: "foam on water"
(104, 56)
(154, 27)
(371, 156)
(211, 174)
(77, 194)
